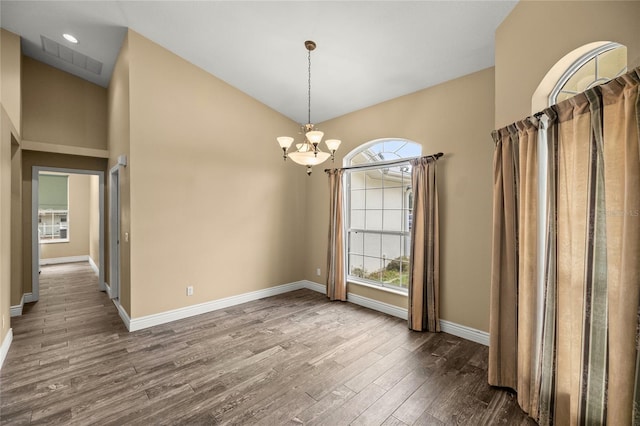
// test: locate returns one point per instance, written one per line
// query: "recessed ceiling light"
(70, 38)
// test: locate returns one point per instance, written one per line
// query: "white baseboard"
(134, 324)
(16, 310)
(123, 315)
(201, 308)
(320, 288)
(449, 327)
(376, 305)
(465, 332)
(4, 348)
(28, 298)
(69, 259)
(93, 266)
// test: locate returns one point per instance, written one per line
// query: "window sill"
(378, 287)
(65, 240)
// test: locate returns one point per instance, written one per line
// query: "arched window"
(379, 212)
(595, 67)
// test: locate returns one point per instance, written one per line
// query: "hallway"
(50, 351)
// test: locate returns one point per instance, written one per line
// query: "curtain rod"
(389, 163)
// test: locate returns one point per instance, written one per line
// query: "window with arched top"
(378, 212)
(598, 66)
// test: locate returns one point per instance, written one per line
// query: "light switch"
(126, 237)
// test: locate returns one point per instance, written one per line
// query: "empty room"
(319, 212)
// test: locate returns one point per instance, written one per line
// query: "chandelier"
(308, 153)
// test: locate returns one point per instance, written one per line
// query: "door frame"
(113, 288)
(35, 243)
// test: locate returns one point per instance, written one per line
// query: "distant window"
(379, 202)
(596, 67)
(53, 207)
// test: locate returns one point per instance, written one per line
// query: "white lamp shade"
(314, 136)
(333, 144)
(285, 141)
(309, 158)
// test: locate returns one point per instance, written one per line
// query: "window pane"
(404, 273)
(392, 220)
(373, 220)
(372, 245)
(374, 179)
(393, 198)
(410, 150)
(357, 199)
(357, 219)
(373, 268)
(612, 63)
(393, 145)
(391, 247)
(360, 158)
(356, 242)
(356, 266)
(406, 246)
(373, 198)
(357, 180)
(394, 179)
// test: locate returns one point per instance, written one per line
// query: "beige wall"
(79, 220)
(10, 127)
(94, 219)
(455, 118)
(536, 35)
(47, 159)
(10, 78)
(62, 109)
(212, 204)
(119, 134)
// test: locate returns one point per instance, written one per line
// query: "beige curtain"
(424, 279)
(514, 274)
(582, 362)
(336, 274)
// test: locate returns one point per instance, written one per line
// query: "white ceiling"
(368, 51)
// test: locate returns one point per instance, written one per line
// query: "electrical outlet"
(318, 272)
(190, 290)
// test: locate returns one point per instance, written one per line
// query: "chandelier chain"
(309, 91)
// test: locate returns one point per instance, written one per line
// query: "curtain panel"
(336, 274)
(424, 269)
(579, 322)
(514, 259)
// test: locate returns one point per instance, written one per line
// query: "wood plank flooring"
(290, 359)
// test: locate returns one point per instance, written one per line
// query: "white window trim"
(579, 63)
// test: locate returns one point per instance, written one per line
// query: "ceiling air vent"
(78, 59)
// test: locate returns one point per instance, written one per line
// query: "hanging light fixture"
(308, 153)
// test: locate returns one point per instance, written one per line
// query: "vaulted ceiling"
(367, 51)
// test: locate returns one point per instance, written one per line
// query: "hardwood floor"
(290, 359)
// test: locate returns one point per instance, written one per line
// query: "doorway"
(57, 224)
